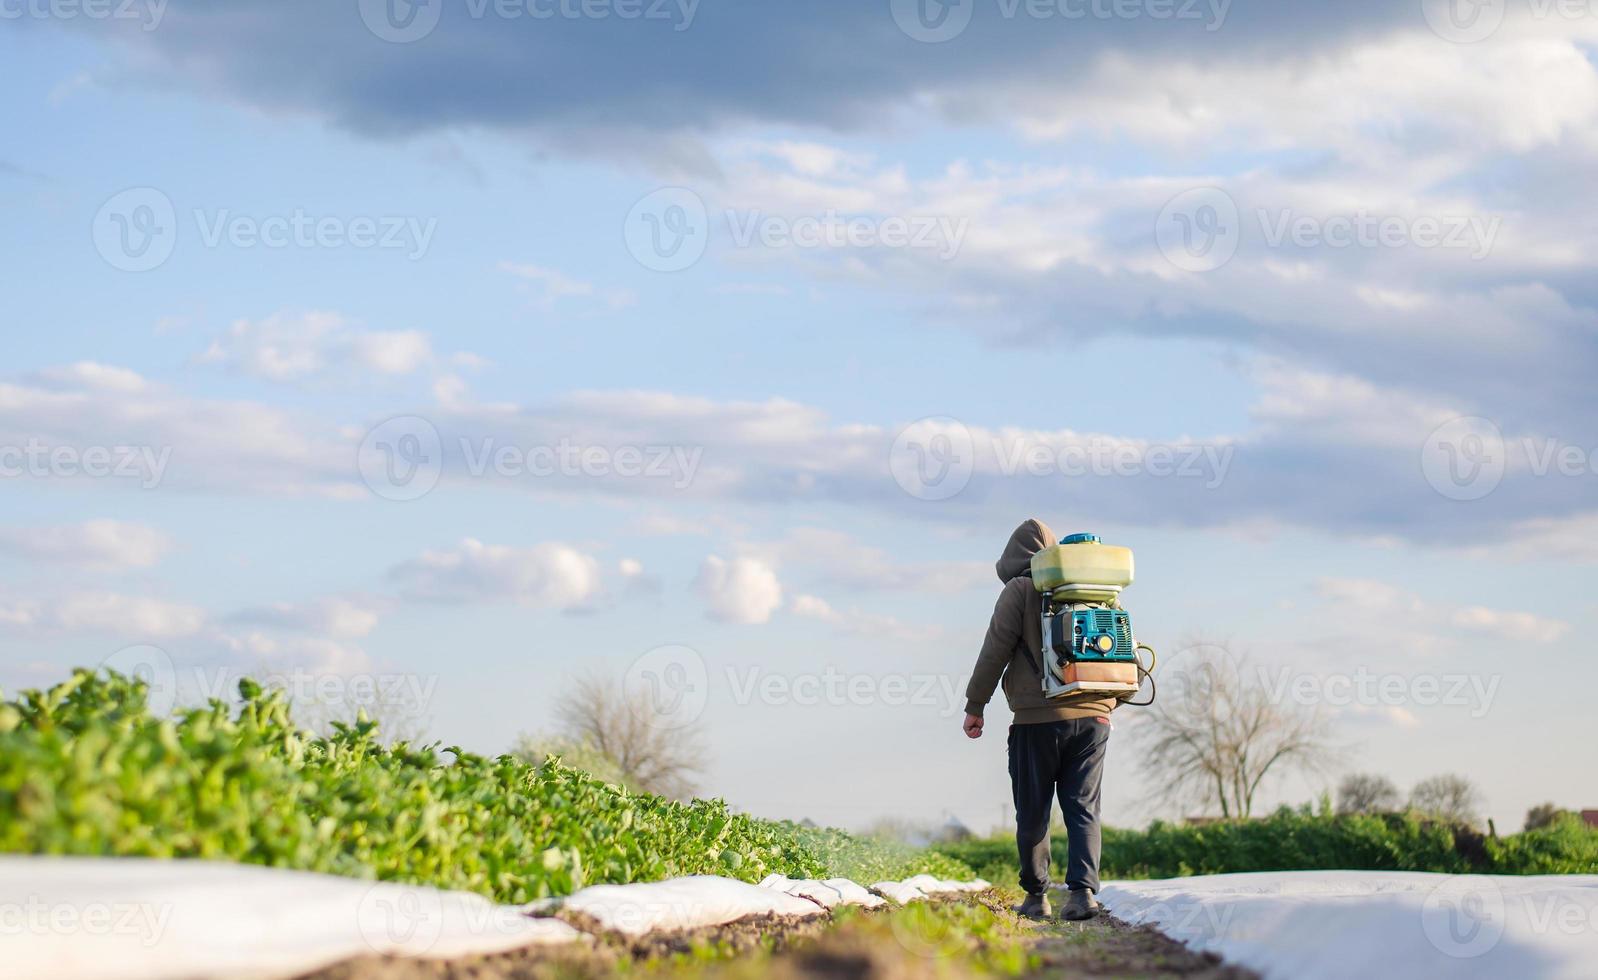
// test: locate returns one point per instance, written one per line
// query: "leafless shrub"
(1215, 734)
(1449, 797)
(599, 720)
(1364, 792)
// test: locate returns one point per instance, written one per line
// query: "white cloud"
(198, 443)
(1391, 714)
(1514, 626)
(1406, 616)
(92, 376)
(96, 545)
(1515, 94)
(544, 575)
(740, 590)
(1369, 594)
(333, 616)
(860, 622)
(287, 347)
(550, 286)
(843, 561)
(104, 613)
(318, 656)
(1310, 428)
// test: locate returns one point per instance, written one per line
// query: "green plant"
(1302, 839)
(85, 769)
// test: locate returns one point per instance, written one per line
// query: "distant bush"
(1297, 840)
(1565, 846)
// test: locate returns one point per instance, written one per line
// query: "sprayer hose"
(1145, 673)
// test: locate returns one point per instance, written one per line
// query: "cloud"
(1380, 715)
(844, 562)
(1406, 618)
(739, 590)
(103, 613)
(604, 80)
(90, 376)
(318, 656)
(289, 347)
(1325, 451)
(860, 622)
(549, 287)
(149, 435)
(1513, 626)
(96, 545)
(547, 575)
(333, 616)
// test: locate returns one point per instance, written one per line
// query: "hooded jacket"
(1017, 620)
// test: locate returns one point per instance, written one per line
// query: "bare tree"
(600, 716)
(1217, 733)
(1449, 797)
(1364, 792)
(1543, 815)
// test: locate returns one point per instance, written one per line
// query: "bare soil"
(788, 950)
(1107, 947)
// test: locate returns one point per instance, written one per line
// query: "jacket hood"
(1027, 540)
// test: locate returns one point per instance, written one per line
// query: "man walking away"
(1055, 749)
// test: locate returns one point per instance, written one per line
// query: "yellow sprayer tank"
(1084, 567)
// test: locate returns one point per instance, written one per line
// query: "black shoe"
(1035, 907)
(1079, 904)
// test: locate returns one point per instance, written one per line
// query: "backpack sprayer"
(1089, 652)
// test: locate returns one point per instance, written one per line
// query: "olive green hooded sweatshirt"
(1017, 619)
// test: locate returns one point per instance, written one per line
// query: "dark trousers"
(1064, 758)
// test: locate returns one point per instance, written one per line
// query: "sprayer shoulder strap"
(1026, 651)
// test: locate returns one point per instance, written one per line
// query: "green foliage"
(1564, 846)
(1293, 840)
(537, 750)
(85, 769)
(867, 859)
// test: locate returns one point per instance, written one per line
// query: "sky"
(457, 350)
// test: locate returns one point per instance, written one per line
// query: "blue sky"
(1061, 164)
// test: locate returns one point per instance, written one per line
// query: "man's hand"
(973, 726)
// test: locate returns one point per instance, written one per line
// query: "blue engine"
(1093, 634)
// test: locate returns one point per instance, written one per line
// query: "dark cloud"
(679, 66)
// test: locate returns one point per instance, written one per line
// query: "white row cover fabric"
(828, 893)
(922, 887)
(138, 919)
(936, 886)
(141, 919)
(1364, 924)
(683, 903)
(898, 892)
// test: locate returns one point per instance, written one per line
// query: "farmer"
(1054, 748)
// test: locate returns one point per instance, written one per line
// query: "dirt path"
(879, 946)
(1108, 947)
